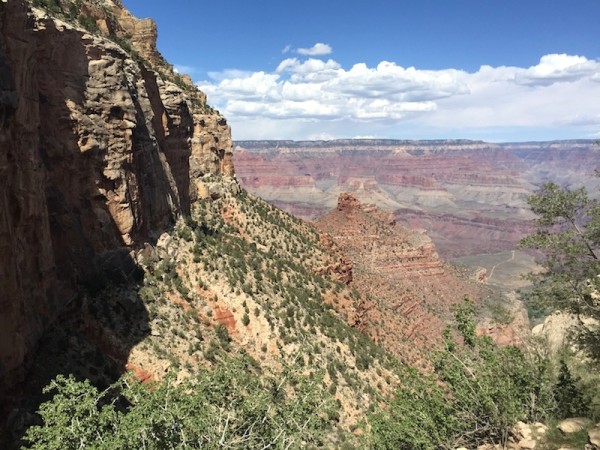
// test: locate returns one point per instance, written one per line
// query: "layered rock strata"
(98, 154)
(469, 195)
(407, 292)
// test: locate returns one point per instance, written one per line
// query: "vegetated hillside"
(104, 150)
(469, 195)
(127, 244)
(236, 277)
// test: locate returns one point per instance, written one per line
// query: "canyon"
(127, 244)
(407, 292)
(132, 250)
(470, 196)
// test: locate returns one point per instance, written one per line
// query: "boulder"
(594, 437)
(527, 444)
(573, 425)
(522, 430)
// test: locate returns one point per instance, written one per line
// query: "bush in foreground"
(231, 406)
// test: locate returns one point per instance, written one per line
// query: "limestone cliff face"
(98, 154)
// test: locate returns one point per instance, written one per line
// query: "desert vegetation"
(283, 369)
(232, 324)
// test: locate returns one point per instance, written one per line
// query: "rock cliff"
(407, 292)
(102, 146)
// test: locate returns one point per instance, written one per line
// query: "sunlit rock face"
(409, 292)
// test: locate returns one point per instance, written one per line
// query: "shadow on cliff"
(94, 315)
(91, 339)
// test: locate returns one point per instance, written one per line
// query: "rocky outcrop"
(573, 425)
(348, 203)
(142, 33)
(559, 329)
(594, 438)
(341, 269)
(98, 154)
(407, 293)
(469, 195)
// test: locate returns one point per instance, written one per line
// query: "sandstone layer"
(98, 154)
(407, 291)
(469, 195)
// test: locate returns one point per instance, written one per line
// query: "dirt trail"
(512, 257)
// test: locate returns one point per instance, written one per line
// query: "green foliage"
(52, 6)
(464, 314)
(246, 319)
(231, 406)
(568, 234)
(88, 23)
(478, 392)
(420, 417)
(74, 417)
(185, 233)
(569, 398)
(224, 338)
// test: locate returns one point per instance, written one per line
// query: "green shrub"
(478, 392)
(569, 398)
(245, 319)
(88, 23)
(231, 406)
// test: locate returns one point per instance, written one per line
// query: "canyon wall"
(469, 195)
(407, 292)
(100, 150)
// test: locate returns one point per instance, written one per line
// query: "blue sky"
(480, 69)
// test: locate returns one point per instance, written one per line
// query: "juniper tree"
(568, 235)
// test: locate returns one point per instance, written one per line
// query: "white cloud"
(558, 68)
(293, 65)
(311, 97)
(390, 81)
(319, 49)
(183, 69)
(286, 49)
(311, 70)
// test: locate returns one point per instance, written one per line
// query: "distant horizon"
(582, 140)
(508, 71)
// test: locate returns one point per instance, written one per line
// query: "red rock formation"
(97, 155)
(341, 270)
(348, 203)
(406, 291)
(470, 196)
(224, 316)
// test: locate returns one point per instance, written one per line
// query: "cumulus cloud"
(310, 97)
(558, 68)
(393, 82)
(319, 49)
